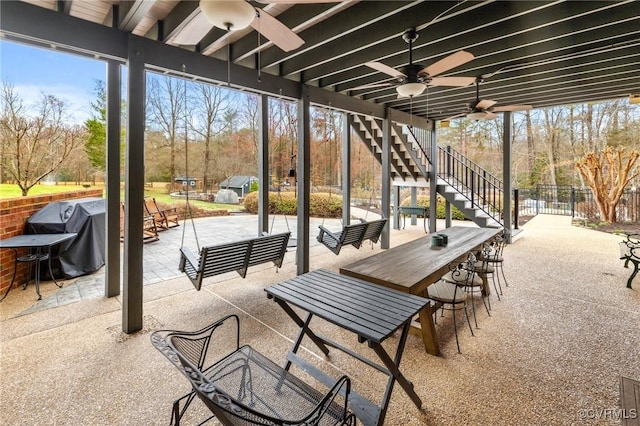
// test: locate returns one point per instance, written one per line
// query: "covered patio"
(552, 351)
(535, 53)
(554, 348)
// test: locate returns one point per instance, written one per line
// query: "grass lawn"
(161, 196)
(13, 191)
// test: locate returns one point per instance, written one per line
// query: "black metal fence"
(574, 202)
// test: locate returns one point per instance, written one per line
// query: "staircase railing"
(422, 139)
(478, 185)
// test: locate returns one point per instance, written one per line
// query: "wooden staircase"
(464, 184)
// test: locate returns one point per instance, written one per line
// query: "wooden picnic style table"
(371, 312)
(412, 267)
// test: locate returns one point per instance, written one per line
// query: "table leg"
(37, 279)
(396, 375)
(15, 269)
(428, 330)
(304, 329)
(51, 272)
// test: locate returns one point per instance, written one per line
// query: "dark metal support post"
(134, 191)
(263, 165)
(112, 258)
(474, 197)
(433, 182)
(414, 202)
(506, 166)
(396, 206)
(386, 180)
(304, 181)
(573, 202)
(346, 168)
(516, 208)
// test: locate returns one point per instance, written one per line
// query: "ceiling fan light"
(411, 89)
(477, 115)
(228, 15)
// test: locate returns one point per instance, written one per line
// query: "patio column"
(134, 191)
(346, 168)
(304, 182)
(263, 166)
(506, 167)
(112, 260)
(396, 206)
(433, 180)
(386, 180)
(414, 202)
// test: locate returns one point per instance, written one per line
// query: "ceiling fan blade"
(451, 81)
(386, 69)
(445, 64)
(371, 86)
(456, 116)
(512, 108)
(489, 116)
(484, 104)
(276, 31)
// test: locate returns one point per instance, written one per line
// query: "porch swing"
(236, 256)
(353, 234)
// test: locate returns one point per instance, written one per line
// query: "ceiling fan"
(413, 79)
(485, 109)
(232, 15)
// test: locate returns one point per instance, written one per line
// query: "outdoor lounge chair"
(164, 219)
(240, 386)
(149, 228)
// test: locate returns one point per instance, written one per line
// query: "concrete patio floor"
(552, 351)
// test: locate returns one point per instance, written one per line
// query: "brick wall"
(14, 213)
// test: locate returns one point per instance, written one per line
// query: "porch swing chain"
(186, 166)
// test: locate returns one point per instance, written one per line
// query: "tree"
(209, 104)
(607, 175)
(35, 146)
(165, 113)
(97, 128)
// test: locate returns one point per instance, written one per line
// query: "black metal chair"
(240, 386)
(470, 281)
(495, 256)
(484, 268)
(452, 296)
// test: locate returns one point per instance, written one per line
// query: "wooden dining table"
(412, 267)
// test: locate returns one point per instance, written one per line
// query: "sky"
(33, 70)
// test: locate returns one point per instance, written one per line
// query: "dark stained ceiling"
(541, 53)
